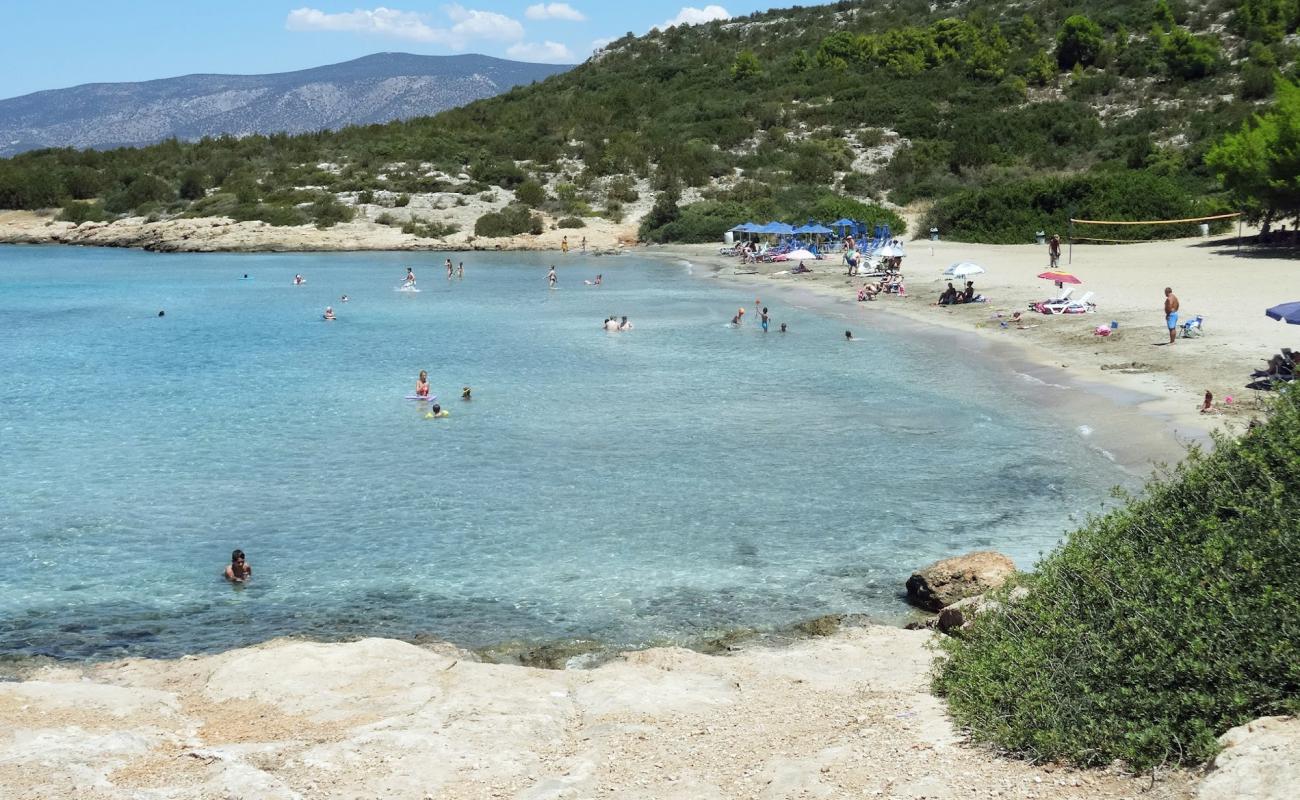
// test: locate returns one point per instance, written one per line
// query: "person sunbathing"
(799, 270)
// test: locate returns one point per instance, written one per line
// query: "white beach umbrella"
(962, 269)
(890, 251)
(800, 255)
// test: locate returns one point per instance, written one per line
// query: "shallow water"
(660, 485)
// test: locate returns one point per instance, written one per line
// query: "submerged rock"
(945, 582)
(820, 626)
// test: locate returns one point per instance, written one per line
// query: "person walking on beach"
(238, 570)
(1171, 314)
(564, 244)
(584, 244)
(551, 278)
(1054, 251)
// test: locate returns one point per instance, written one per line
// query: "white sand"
(843, 717)
(1127, 282)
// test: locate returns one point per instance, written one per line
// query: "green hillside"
(1103, 108)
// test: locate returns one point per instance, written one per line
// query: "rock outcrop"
(1260, 761)
(945, 582)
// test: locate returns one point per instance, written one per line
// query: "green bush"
(530, 193)
(1187, 56)
(1079, 42)
(1009, 212)
(77, 212)
(571, 222)
(512, 220)
(328, 211)
(1157, 627)
(428, 229)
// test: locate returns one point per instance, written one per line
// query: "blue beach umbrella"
(779, 228)
(1287, 312)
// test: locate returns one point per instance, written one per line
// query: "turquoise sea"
(660, 485)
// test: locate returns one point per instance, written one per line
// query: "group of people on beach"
(952, 296)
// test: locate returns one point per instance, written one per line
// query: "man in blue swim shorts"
(1171, 313)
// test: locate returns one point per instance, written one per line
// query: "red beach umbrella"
(1060, 276)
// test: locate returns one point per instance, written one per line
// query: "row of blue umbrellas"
(783, 229)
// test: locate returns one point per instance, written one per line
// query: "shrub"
(530, 193)
(428, 229)
(402, 201)
(327, 211)
(1155, 628)
(386, 219)
(512, 220)
(366, 197)
(1187, 56)
(571, 222)
(77, 212)
(1078, 42)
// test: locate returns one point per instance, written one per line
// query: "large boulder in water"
(945, 582)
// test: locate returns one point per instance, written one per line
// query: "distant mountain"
(376, 88)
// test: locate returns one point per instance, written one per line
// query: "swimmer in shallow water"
(848, 336)
(238, 570)
(329, 313)
(437, 412)
(464, 394)
(422, 385)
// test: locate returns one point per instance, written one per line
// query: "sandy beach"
(1127, 284)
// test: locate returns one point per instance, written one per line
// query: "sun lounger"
(1083, 305)
(1063, 299)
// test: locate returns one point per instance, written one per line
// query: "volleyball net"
(1108, 231)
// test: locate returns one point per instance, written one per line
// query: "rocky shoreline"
(224, 235)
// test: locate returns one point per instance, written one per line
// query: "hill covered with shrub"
(1153, 629)
(1100, 108)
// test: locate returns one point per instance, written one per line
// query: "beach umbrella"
(799, 255)
(814, 228)
(843, 223)
(1060, 276)
(778, 228)
(963, 269)
(893, 251)
(1287, 312)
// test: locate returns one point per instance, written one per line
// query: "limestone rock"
(1260, 761)
(945, 582)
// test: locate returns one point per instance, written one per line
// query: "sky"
(53, 45)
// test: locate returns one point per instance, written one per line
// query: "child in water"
(422, 385)
(437, 412)
(238, 570)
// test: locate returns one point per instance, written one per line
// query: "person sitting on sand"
(422, 385)
(968, 295)
(799, 270)
(329, 313)
(238, 570)
(1208, 405)
(949, 295)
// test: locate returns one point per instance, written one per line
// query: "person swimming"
(611, 324)
(437, 412)
(422, 385)
(329, 313)
(464, 394)
(625, 325)
(848, 335)
(782, 327)
(299, 280)
(238, 571)
(343, 299)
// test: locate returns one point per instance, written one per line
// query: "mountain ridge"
(376, 88)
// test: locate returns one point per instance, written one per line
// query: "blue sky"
(51, 45)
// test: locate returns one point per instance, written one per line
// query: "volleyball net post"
(1148, 222)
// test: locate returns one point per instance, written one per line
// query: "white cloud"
(412, 25)
(690, 15)
(549, 52)
(601, 44)
(483, 24)
(562, 11)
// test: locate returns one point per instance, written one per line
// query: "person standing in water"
(449, 269)
(584, 244)
(460, 270)
(422, 385)
(551, 278)
(410, 277)
(763, 319)
(238, 571)
(564, 245)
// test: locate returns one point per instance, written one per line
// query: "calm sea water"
(660, 485)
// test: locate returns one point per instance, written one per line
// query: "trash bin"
(934, 234)
(1041, 237)
(1205, 229)
(728, 238)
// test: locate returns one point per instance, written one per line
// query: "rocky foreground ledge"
(843, 716)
